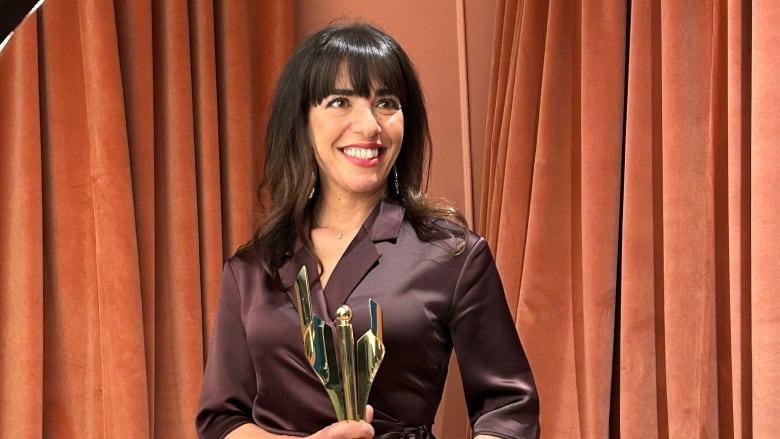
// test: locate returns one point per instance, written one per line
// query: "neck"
(343, 212)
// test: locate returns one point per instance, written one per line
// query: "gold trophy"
(346, 369)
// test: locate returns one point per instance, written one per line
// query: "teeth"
(362, 153)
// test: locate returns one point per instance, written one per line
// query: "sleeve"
(229, 384)
(499, 387)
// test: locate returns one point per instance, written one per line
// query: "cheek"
(325, 132)
(394, 127)
(313, 143)
(400, 123)
(317, 143)
(320, 136)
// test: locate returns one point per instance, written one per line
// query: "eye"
(337, 102)
(387, 105)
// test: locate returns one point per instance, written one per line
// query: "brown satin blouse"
(257, 372)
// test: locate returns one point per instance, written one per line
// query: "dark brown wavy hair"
(371, 57)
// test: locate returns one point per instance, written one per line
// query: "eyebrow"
(343, 91)
(351, 92)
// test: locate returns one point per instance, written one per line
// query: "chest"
(414, 290)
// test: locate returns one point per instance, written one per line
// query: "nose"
(365, 121)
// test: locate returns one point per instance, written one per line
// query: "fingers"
(349, 430)
(369, 414)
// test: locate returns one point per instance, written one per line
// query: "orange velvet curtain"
(129, 135)
(631, 198)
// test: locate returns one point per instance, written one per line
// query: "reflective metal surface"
(346, 369)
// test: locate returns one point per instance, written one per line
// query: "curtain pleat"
(634, 239)
(208, 165)
(765, 216)
(642, 403)
(178, 316)
(130, 166)
(737, 370)
(93, 345)
(598, 119)
(545, 145)
(513, 92)
(629, 195)
(134, 39)
(21, 238)
(683, 205)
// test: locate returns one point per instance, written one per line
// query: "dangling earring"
(395, 177)
(313, 186)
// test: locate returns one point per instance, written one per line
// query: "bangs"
(368, 61)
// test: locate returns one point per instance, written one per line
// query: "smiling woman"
(346, 151)
(356, 140)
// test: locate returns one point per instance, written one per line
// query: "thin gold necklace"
(339, 234)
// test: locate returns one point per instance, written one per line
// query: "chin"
(364, 186)
(368, 190)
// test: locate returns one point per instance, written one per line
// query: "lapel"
(289, 271)
(384, 223)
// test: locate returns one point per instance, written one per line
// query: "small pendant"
(339, 235)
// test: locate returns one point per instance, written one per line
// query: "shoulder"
(244, 271)
(455, 233)
(453, 240)
(241, 262)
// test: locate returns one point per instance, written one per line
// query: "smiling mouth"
(361, 153)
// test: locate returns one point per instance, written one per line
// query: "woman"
(347, 145)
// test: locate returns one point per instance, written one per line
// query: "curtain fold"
(556, 130)
(21, 236)
(178, 316)
(128, 176)
(682, 145)
(765, 215)
(629, 196)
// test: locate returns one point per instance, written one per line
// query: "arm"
(339, 430)
(229, 385)
(251, 431)
(499, 387)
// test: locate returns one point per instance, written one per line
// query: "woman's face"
(356, 139)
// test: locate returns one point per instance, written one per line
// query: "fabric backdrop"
(119, 122)
(630, 195)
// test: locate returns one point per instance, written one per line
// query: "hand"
(348, 430)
